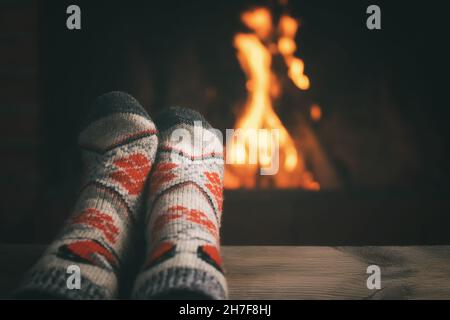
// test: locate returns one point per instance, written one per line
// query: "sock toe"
(114, 102)
(172, 116)
(115, 119)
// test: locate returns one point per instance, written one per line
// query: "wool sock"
(118, 143)
(185, 206)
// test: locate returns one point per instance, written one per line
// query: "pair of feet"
(166, 183)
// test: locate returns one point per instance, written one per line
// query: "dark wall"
(20, 176)
(382, 92)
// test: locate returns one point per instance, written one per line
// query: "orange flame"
(315, 112)
(254, 53)
(286, 46)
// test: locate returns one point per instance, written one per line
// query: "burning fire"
(254, 52)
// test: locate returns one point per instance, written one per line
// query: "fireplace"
(362, 142)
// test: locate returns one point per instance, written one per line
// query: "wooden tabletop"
(261, 272)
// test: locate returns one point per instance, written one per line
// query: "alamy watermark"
(73, 281)
(374, 280)
(243, 146)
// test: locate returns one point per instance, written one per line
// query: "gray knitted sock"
(183, 255)
(119, 144)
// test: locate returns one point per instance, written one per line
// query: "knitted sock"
(118, 148)
(185, 206)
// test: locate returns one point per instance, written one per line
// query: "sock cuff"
(175, 279)
(52, 282)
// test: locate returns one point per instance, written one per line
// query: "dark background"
(383, 95)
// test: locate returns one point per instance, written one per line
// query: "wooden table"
(419, 272)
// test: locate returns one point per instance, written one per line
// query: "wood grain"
(337, 273)
(253, 272)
